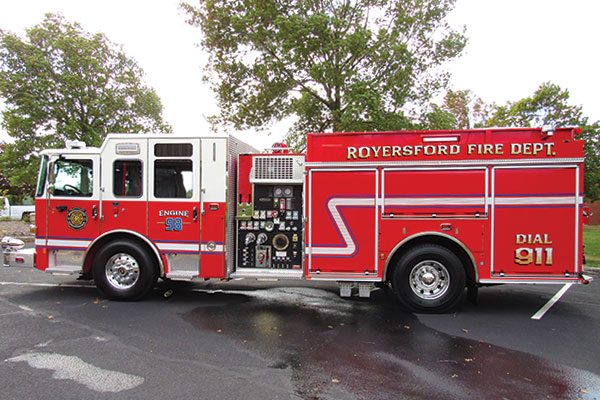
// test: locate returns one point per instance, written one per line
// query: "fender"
(136, 234)
(431, 233)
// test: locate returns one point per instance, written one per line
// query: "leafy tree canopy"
(549, 105)
(61, 83)
(342, 65)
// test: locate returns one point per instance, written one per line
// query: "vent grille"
(274, 168)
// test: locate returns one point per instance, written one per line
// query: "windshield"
(41, 183)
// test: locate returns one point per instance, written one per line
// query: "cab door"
(174, 203)
(72, 213)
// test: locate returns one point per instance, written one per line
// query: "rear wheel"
(124, 270)
(429, 278)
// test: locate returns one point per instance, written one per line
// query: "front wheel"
(429, 278)
(124, 270)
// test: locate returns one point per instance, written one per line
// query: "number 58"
(173, 224)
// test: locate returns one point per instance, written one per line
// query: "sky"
(514, 46)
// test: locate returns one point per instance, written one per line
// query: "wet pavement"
(256, 340)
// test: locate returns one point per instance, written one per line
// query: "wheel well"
(89, 257)
(443, 241)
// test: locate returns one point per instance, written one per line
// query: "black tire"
(446, 289)
(135, 257)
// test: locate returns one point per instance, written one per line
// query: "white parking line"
(66, 285)
(550, 303)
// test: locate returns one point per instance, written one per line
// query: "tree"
(62, 83)
(461, 109)
(470, 111)
(341, 64)
(549, 105)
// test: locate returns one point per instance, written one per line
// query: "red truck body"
(424, 212)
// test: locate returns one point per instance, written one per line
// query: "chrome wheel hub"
(122, 271)
(429, 279)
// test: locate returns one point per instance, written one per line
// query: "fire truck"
(428, 215)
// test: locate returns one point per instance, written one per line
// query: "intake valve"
(262, 238)
(250, 237)
(281, 242)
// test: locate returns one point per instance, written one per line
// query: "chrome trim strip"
(529, 281)
(308, 245)
(377, 203)
(258, 273)
(516, 162)
(486, 189)
(493, 219)
(577, 258)
(320, 277)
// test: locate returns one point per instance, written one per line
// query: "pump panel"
(270, 228)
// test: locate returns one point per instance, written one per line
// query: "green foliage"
(549, 105)
(340, 65)
(469, 110)
(591, 241)
(438, 118)
(62, 83)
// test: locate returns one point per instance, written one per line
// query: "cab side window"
(73, 178)
(173, 179)
(127, 178)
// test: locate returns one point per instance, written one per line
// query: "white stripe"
(460, 201)
(177, 246)
(189, 247)
(413, 201)
(538, 315)
(68, 243)
(218, 249)
(349, 245)
(40, 242)
(538, 200)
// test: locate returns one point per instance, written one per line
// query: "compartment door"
(174, 205)
(342, 222)
(535, 222)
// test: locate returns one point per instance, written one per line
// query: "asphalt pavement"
(60, 339)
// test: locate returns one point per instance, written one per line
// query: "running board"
(182, 275)
(64, 270)
(263, 273)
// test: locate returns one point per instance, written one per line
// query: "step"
(262, 273)
(182, 275)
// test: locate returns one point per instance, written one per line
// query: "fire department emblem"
(76, 218)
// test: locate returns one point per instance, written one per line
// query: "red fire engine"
(425, 213)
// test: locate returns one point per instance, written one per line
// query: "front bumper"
(13, 255)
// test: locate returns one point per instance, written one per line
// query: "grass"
(591, 239)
